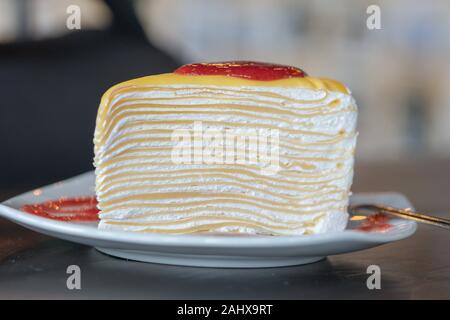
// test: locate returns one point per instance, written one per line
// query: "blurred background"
(51, 77)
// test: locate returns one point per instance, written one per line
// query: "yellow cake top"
(166, 79)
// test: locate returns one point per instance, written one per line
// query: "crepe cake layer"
(142, 187)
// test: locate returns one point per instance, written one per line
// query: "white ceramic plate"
(204, 250)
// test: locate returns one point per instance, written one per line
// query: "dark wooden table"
(34, 266)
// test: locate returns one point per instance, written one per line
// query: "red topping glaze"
(242, 69)
(66, 209)
(377, 222)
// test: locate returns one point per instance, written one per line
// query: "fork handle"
(440, 222)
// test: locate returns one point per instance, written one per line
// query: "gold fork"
(403, 213)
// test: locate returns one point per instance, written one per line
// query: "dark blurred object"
(51, 90)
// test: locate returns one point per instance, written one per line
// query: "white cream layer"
(308, 195)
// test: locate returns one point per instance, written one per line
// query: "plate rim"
(211, 241)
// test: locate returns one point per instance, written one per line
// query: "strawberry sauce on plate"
(66, 209)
